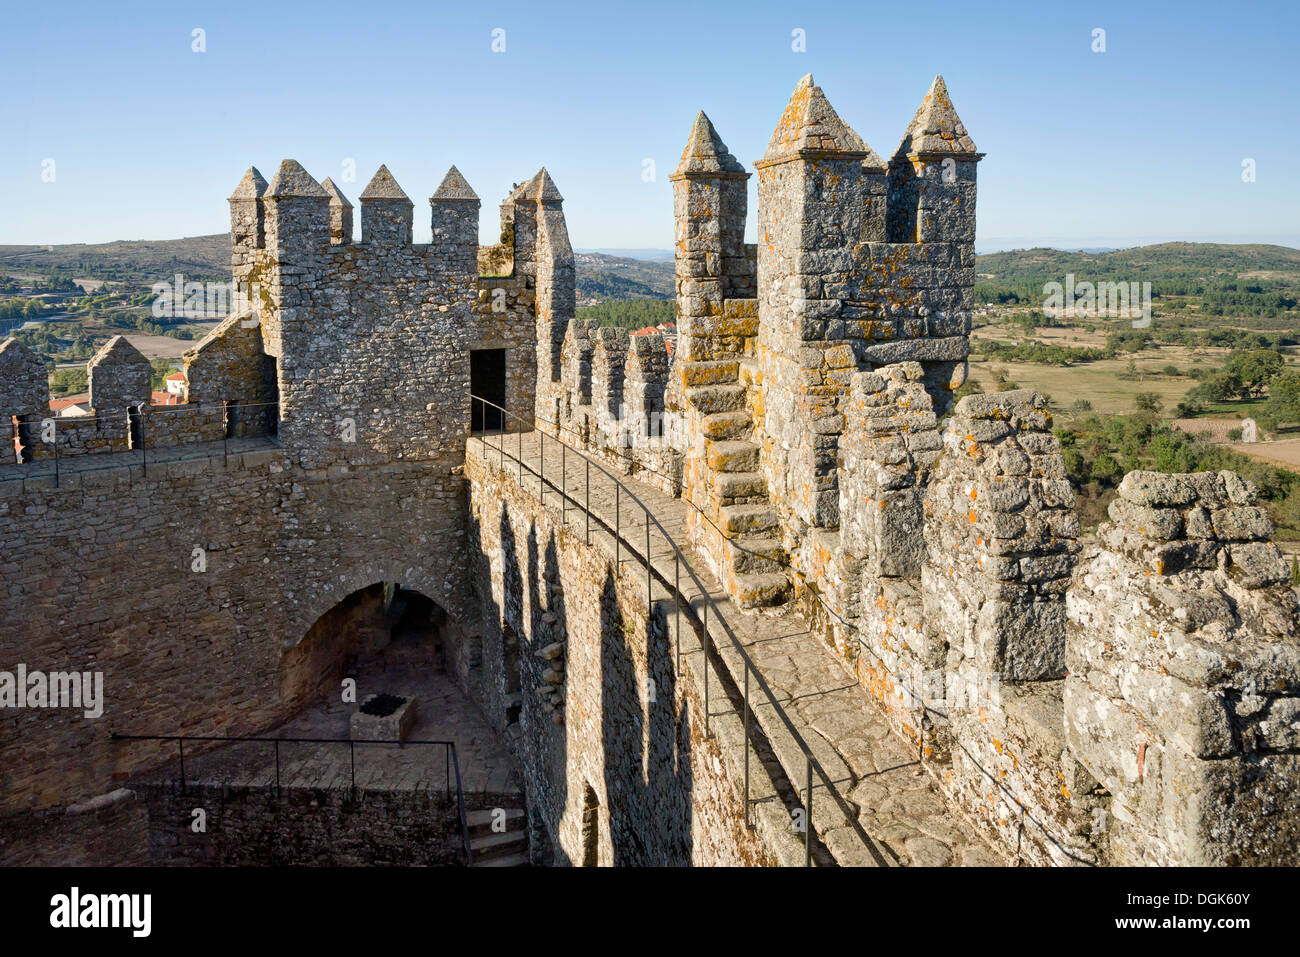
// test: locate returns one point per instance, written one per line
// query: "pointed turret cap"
(455, 187)
(936, 128)
(336, 195)
(541, 188)
(292, 180)
(383, 186)
(705, 152)
(251, 186)
(120, 348)
(811, 127)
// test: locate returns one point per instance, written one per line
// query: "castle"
(1131, 700)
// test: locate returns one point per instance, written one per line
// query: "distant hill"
(599, 276)
(1208, 262)
(125, 260)
(654, 255)
(603, 277)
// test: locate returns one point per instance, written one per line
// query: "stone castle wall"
(1134, 701)
(593, 733)
(323, 419)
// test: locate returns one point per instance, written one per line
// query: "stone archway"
(382, 618)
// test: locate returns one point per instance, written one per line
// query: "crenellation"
(119, 377)
(387, 213)
(1134, 701)
(340, 214)
(1184, 674)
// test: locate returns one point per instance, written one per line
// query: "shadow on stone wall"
(647, 759)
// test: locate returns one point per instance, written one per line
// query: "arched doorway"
(384, 617)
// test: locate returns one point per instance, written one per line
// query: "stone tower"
(932, 175)
(717, 322)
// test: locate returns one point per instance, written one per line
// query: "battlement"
(351, 351)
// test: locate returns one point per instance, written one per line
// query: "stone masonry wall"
(643, 755)
(309, 827)
(1183, 696)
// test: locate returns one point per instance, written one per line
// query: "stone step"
(480, 821)
(746, 519)
(513, 860)
(710, 372)
(728, 425)
(733, 485)
(717, 398)
(761, 590)
(755, 554)
(490, 846)
(733, 456)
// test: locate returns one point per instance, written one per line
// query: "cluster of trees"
(67, 382)
(1046, 353)
(631, 313)
(22, 309)
(1100, 450)
(1248, 375)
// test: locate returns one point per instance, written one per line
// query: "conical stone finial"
(810, 127)
(544, 189)
(251, 186)
(384, 187)
(705, 152)
(936, 128)
(453, 187)
(336, 195)
(291, 180)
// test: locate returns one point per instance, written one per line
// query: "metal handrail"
(846, 623)
(452, 759)
(136, 423)
(811, 764)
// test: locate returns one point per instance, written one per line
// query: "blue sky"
(1141, 143)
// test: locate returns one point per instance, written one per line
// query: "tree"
(1253, 368)
(1148, 402)
(1283, 403)
(1105, 469)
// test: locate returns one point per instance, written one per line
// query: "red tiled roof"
(176, 377)
(58, 405)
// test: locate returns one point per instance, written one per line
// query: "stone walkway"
(875, 774)
(444, 713)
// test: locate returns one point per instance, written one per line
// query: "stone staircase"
(508, 848)
(730, 487)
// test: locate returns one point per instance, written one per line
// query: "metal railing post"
(807, 815)
(648, 603)
(677, 603)
(707, 732)
(144, 443)
(746, 744)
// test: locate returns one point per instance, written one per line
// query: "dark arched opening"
(382, 618)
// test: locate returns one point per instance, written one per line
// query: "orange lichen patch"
(971, 516)
(973, 494)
